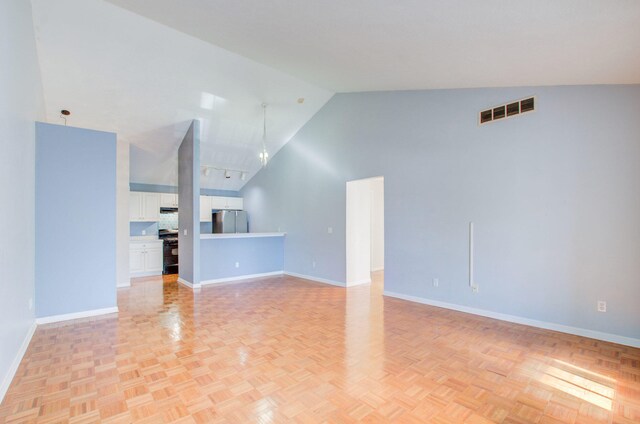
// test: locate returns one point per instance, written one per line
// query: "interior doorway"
(365, 231)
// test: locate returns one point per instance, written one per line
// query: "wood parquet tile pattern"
(280, 350)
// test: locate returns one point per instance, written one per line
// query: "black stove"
(169, 251)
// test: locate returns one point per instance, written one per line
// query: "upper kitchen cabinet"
(226, 203)
(144, 207)
(234, 203)
(205, 208)
(208, 203)
(168, 200)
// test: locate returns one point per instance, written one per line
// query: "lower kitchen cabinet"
(145, 258)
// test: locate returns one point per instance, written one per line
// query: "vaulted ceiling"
(117, 71)
(145, 68)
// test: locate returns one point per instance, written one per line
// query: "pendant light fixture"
(264, 155)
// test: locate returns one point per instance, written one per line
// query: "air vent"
(508, 110)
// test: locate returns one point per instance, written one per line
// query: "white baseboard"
(124, 284)
(378, 269)
(145, 274)
(11, 372)
(239, 278)
(76, 315)
(607, 337)
(359, 282)
(316, 279)
(188, 283)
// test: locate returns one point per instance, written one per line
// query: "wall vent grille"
(507, 110)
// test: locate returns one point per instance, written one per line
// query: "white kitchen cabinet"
(153, 258)
(234, 203)
(207, 203)
(135, 206)
(222, 203)
(205, 208)
(168, 200)
(217, 202)
(145, 258)
(136, 260)
(144, 207)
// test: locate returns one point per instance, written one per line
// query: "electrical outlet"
(237, 264)
(330, 230)
(475, 289)
(436, 283)
(144, 232)
(602, 306)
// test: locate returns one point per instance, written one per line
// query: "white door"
(153, 258)
(136, 259)
(358, 232)
(205, 208)
(151, 206)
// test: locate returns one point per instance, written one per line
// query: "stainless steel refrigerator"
(230, 222)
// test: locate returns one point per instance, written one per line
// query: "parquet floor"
(281, 350)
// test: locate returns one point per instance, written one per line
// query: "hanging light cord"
(264, 156)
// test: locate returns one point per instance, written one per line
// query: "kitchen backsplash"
(168, 221)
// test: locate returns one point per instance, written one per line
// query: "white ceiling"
(117, 71)
(361, 45)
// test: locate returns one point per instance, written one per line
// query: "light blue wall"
(75, 220)
(255, 255)
(21, 104)
(136, 228)
(189, 200)
(553, 194)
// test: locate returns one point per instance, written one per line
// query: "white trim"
(316, 279)
(359, 282)
(239, 278)
(381, 268)
(76, 315)
(239, 235)
(188, 283)
(124, 284)
(613, 338)
(145, 274)
(11, 372)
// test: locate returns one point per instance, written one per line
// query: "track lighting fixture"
(227, 172)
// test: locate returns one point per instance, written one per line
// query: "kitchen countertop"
(239, 235)
(142, 239)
